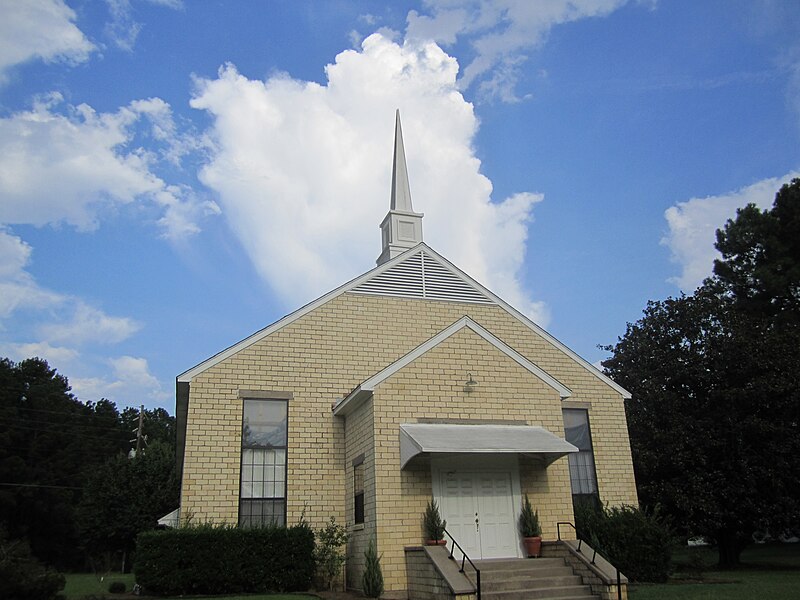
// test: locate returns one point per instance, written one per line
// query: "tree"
(126, 496)
(715, 379)
(760, 249)
(49, 441)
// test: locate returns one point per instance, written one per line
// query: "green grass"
(87, 584)
(80, 585)
(770, 571)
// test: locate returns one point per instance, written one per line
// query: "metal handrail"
(594, 553)
(463, 558)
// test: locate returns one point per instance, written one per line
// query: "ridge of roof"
(368, 386)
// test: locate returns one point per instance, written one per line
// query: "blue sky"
(177, 175)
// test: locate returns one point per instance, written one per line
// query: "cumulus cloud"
(693, 225)
(69, 165)
(18, 289)
(89, 324)
(303, 170)
(56, 356)
(130, 383)
(500, 32)
(39, 29)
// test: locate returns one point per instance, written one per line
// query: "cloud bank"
(693, 225)
(303, 170)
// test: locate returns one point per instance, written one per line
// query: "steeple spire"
(401, 191)
(401, 229)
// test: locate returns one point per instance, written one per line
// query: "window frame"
(260, 397)
(358, 515)
(582, 497)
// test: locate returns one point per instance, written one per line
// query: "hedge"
(223, 559)
(638, 543)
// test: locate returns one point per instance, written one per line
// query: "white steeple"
(401, 229)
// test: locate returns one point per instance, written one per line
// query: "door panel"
(479, 509)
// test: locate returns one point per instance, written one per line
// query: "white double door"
(479, 506)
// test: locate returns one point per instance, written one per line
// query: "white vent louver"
(420, 276)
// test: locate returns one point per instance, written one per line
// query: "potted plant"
(530, 529)
(433, 524)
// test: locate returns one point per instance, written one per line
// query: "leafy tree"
(760, 264)
(126, 496)
(715, 378)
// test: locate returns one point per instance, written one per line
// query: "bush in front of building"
(222, 559)
(638, 543)
(22, 577)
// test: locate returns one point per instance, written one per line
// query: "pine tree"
(372, 581)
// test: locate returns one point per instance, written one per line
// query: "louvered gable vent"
(421, 276)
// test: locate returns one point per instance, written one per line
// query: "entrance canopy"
(446, 438)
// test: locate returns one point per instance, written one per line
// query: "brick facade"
(320, 357)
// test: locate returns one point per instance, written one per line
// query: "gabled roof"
(417, 273)
(365, 389)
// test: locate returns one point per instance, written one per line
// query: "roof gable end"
(365, 389)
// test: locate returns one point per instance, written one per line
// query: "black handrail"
(594, 553)
(463, 557)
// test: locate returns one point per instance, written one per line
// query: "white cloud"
(303, 170)
(56, 356)
(693, 225)
(88, 324)
(57, 167)
(18, 289)
(500, 31)
(122, 28)
(39, 29)
(130, 384)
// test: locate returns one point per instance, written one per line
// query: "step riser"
(528, 574)
(544, 594)
(530, 583)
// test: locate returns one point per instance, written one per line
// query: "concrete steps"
(529, 579)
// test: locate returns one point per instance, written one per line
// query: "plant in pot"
(530, 529)
(434, 525)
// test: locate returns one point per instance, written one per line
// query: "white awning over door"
(446, 438)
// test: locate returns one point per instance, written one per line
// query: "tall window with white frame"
(582, 474)
(262, 497)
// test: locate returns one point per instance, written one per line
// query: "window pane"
(576, 428)
(264, 424)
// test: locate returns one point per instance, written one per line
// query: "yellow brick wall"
(320, 357)
(505, 391)
(359, 440)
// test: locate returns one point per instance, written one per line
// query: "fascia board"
(188, 375)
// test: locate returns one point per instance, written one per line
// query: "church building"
(410, 382)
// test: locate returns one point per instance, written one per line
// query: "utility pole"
(139, 429)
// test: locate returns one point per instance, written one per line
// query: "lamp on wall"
(470, 383)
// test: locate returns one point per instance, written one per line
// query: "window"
(358, 492)
(581, 464)
(262, 497)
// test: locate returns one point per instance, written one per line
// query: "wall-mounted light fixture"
(470, 383)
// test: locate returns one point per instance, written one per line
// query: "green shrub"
(116, 587)
(22, 577)
(638, 543)
(222, 559)
(432, 522)
(372, 580)
(529, 520)
(328, 553)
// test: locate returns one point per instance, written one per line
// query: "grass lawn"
(80, 585)
(770, 571)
